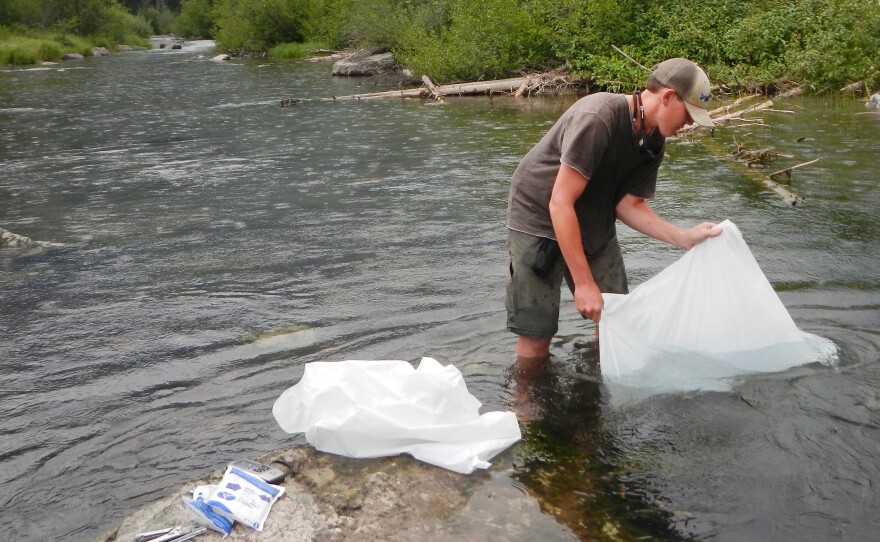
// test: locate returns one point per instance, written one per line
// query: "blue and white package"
(203, 514)
(244, 498)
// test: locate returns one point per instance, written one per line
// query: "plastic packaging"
(203, 514)
(709, 316)
(360, 408)
(239, 497)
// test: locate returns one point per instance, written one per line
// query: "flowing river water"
(203, 244)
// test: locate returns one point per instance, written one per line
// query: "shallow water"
(205, 243)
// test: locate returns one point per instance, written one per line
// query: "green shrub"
(328, 23)
(160, 21)
(480, 41)
(196, 19)
(836, 43)
(248, 26)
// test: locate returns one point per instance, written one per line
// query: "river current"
(202, 243)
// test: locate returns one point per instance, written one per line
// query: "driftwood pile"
(733, 115)
(527, 85)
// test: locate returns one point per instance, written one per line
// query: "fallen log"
(402, 93)
(517, 86)
(764, 181)
(788, 170)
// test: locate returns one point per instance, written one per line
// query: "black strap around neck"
(641, 138)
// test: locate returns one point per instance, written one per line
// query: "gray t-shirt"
(594, 137)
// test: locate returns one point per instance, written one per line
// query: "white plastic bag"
(710, 315)
(362, 408)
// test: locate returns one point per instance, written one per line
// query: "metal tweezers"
(171, 534)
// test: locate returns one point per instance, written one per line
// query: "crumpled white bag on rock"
(709, 316)
(360, 408)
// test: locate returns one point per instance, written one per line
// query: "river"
(203, 244)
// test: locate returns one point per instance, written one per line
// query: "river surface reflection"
(205, 243)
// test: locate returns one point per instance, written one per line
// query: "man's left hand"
(699, 233)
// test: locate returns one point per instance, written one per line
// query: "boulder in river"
(221, 58)
(9, 239)
(366, 62)
(874, 102)
(100, 51)
(334, 498)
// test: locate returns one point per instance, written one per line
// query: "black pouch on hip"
(545, 259)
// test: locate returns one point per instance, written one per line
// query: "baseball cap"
(691, 84)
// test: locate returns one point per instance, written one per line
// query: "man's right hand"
(588, 301)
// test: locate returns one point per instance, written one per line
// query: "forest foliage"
(823, 44)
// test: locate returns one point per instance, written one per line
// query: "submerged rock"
(9, 239)
(366, 62)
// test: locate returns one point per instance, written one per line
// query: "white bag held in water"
(710, 315)
(361, 408)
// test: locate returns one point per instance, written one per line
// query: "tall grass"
(35, 47)
(293, 51)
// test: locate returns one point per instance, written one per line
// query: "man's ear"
(667, 95)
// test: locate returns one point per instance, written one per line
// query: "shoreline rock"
(333, 498)
(366, 62)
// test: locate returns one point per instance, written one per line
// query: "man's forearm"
(638, 215)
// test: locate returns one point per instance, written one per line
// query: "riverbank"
(330, 497)
(35, 47)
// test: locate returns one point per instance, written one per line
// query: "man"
(597, 164)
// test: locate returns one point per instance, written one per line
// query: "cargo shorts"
(533, 301)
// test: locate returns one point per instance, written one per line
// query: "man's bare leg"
(527, 347)
(532, 356)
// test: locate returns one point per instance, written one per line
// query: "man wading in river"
(598, 163)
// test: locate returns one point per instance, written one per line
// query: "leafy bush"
(328, 22)
(249, 26)
(836, 43)
(480, 40)
(195, 19)
(120, 26)
(160, 21)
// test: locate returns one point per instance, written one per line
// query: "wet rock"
(318, 477)
(331, 498)
(874, 102)
(9, 239)
(166, 41)
(72, 56)
(100, 51)
(221, 58)
(366, 62)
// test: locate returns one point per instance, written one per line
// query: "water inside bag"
(705, 319)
